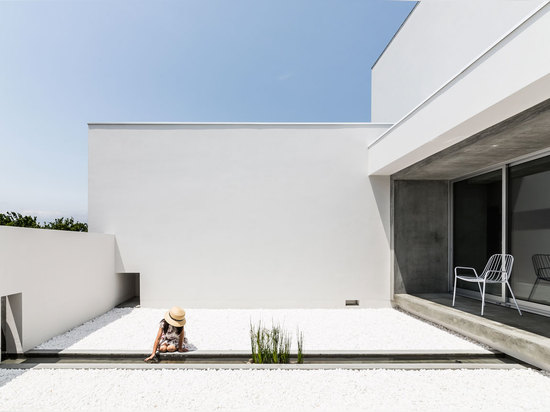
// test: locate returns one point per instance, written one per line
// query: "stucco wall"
(437, 41)
(64, 278)
(243, 215)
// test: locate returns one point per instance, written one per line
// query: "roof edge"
(454, 78)
(394, 35)
(238, 124)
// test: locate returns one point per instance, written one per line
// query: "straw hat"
(175, 316)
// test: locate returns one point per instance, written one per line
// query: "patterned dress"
(172, 337)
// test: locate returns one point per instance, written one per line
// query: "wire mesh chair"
(497, 270)
(541, 264)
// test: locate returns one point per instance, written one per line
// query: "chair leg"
(454, 292)
(533, 289)
(513, 297)
(482, 298)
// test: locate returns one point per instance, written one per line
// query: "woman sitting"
(171, 334)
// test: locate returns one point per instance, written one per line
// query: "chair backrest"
(498, 268)
(541, 264)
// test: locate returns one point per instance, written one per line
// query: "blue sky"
(67, 63)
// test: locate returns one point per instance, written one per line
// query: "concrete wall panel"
(421, 225)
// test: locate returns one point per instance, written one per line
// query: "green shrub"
(17, 219)
(62, 223)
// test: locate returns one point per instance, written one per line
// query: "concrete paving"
(521, 344)
(530, 322)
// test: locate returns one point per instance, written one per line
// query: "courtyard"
(181, 386)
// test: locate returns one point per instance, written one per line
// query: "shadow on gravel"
(78, 333)
(7, 375)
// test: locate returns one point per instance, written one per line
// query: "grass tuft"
(300, 340)
(269, 345)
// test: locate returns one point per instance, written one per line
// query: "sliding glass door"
(529, 229)
(477, 224)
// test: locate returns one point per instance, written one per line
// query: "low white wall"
(65, 278)
(437, 41)
(243, 215)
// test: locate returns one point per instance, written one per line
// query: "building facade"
(451, 170)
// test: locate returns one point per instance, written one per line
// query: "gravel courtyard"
(270, 390)
(228, 329)
(280, 390)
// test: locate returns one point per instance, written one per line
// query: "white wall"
(65, 278)
(243, 215)
(437, 41)
(510, 78)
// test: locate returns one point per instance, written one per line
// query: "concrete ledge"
(311, 366)
(71, 353)
(525, 346)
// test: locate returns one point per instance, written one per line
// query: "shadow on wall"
(381, 191)
(119, 264)
(130, 284)
(11, 324)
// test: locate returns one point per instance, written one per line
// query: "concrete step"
(514, 342)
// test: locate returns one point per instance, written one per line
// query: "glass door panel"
(477, 224)
(529, 229)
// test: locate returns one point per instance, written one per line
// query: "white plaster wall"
(437, 41)
(513, 76)
(243, 215)
(65, 278)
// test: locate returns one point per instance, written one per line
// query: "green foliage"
(270, 345)
(69, 224)
(300, 339)
(17, 219)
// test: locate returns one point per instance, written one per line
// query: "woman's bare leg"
(171, 348)
(163, 348)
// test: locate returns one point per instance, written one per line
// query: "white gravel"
(228, 329)
(281, 390)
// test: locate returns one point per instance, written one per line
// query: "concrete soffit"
(520, 135)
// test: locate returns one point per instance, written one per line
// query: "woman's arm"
(155, 345)
(182, 337)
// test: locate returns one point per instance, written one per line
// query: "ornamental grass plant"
(272, 345)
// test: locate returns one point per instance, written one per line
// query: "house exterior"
(468, 158)
(314, 215)
(453, 167)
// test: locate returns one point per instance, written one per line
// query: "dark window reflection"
(529, 227)
(477, 228)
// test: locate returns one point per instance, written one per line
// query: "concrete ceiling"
(520, 135)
